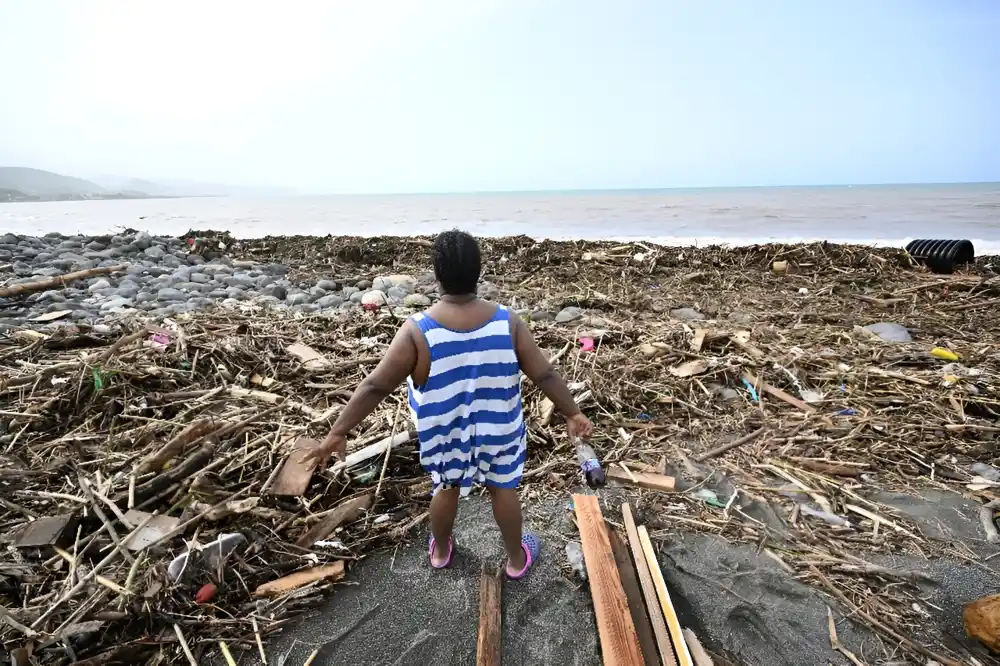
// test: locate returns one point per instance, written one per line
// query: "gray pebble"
(200, 278)
(242, 281)
(686, 314)
(144, 297)
(363, 284)
(277, 291)
(170, 261)
(300, 298)
(328, 285)
(357, 296)
(99, 285)
(219, 293)
(331, 301)
(350, 291)
(236, 294)
(567, 315)
(117, 303)
(168, 294)
(397, 294)
(416, 301)
(195, 259)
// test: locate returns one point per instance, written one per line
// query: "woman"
(462, 359)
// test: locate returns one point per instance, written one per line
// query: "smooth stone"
(488, 291)
(236, 293)
(373, 297)
(194, 286)
(144, 297)
(46, 272)
(357, 296)
(328, 285)
(349, 292)
(568, 315)
(142, 241)
(243, 265)
(363, 284)
(169, 294)
(117, 240)
(416, 301)
(542, 315)
(331, 301)
(10, 239)
(54, 295)
(215, 269)
(118, 302)
(277, 291)
(195, 260)
(300, 298)
(686, 314)
(202, 302)
(347, 306)
(889, 331)
(98, 285)
(43, 257)
(170, 261)
(397, 294)
(69, 245)
(200, 278)
(276, 269)
(267, 300)
(744, 318)
(96, 246)
(242, 281)
(316, 292)
(218, 293)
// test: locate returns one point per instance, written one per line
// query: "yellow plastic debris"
(944, 354)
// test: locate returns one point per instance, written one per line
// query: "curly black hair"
(457, 262)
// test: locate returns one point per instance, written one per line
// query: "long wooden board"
(636, 604)
(673, 624)
(489, 648)
(619, 641)
(660, 482)
(648, 589)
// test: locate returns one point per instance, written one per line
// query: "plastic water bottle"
(590, 465)
(574, 555)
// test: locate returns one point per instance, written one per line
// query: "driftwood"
(57, 281)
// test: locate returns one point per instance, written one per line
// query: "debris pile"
(156, 506)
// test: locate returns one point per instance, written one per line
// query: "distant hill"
(36, 183)
(147, 187)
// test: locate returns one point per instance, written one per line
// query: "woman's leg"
(507, 513)
(444, 506)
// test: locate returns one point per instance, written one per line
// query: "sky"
(332, 96)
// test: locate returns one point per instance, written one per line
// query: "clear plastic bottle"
(590, 465)
(574, 555)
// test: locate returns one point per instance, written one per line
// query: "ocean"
(883, 215)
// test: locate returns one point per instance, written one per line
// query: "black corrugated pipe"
(941, 256)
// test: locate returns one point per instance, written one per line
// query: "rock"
(154, 252)
(170, 261)
(416, 301)
(236, 294)
(144, 297)
(890, 332)
(98, 285)
(316, 292)
(488, 291)
(328, 285)
(44, 257)
(397, 294)
(200, 278)
(331, 301)
(194, 287)
(218, 294)
(277, 291)
(300, 298)
(53, 295)
(743, 318)
(349, 292)
(118, 302)
(142, 241)
(373, 297)
(10, 239)
(542, 315)
(96, 246)
(240, 280)
(357, 296)
(568, 315)
(385, 283)
(363, 285)
(195, 260)
(169, 294)
(687, 314)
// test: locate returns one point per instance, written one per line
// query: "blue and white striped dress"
(468, 413)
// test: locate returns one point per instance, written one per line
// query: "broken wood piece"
(345, 512)
(154, 527)
(310, 358)
(778, 393)
(489, 649)
(296, 471)
(982, 620)
(690, 368)
(373, 451)
(898, 375)
(186, 437)
(58, 281)
(660, 632)
(633, 594)
(661, 482)
(619, 641)
(875, 518)
(666, 605)
(46, 531)
(698, 340)
(275, 399)
(719, 450)
(290, 583)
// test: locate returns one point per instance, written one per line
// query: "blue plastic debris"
(753, 391)
(846, 412)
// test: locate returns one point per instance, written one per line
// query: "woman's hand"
(334, 444)
(579, 425)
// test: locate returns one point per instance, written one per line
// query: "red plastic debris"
(206, 593)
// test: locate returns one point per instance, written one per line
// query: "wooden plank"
(489, 651)
(648, 588)
(778, 393)
(661, 482)
(344, 512)
(619, 642)
(636, 604)
(310, 358)
(673, 624)
(296, 473)
(292, 582)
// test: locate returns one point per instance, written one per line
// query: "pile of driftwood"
(156, 508)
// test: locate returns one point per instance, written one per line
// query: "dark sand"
(395, 610)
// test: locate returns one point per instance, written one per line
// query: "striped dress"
(468, 413)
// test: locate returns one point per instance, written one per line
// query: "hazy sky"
(453, 95)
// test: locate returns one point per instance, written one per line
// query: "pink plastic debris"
(586, 344)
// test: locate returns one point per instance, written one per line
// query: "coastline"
(675, 331)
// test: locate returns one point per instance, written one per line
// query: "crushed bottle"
(574, 555)
(590, 465)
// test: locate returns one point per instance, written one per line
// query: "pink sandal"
(531, 547)
(430, 552)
